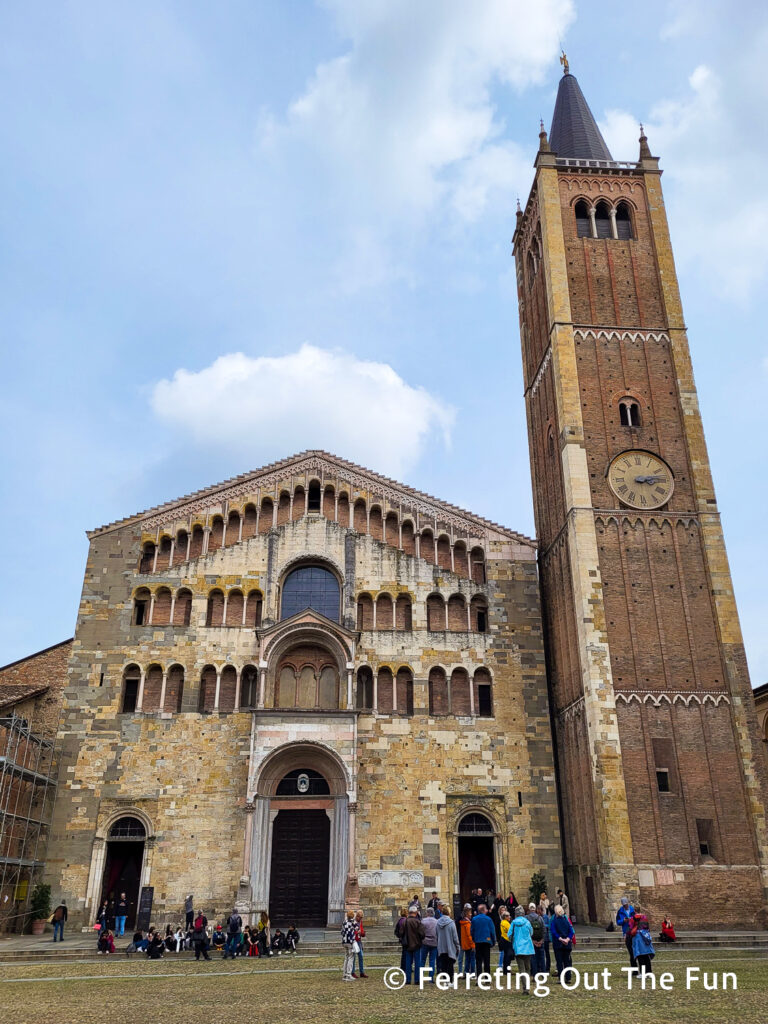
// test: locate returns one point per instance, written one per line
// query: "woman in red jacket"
(359, 936)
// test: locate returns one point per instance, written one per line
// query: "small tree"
(40, 903)
(537, 887)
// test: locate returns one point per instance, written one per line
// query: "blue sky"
(234, 231)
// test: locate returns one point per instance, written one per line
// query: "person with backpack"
(200, 936)
(538, 932)
(624, 916)
(521, 944)
(234, 927)
(59, 919)
(642, 943)
(562, 939)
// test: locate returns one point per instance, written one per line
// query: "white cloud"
(704, 156)
(402, 125)
(313, 398)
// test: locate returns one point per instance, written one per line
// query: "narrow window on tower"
(603, 220)
(664, 759)
(623, 221)
(583, 226)
(629, 413)
(704, 828)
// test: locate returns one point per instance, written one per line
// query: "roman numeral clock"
(641, 479)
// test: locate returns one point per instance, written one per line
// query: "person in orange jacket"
(467, 952)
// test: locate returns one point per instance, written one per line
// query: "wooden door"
(298, 892)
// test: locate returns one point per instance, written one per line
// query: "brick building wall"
(600, 322)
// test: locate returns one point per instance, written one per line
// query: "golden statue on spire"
(564, 62)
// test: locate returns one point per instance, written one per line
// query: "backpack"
(538, 929)
(199, 925)
(234, 923)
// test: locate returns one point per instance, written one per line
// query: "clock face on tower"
(641, 479)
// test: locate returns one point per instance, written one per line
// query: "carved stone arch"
(320, 559)
(305, 754)
(475, 808)
(307, 633)
(129, 811)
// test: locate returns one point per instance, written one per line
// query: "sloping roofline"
(341, 464)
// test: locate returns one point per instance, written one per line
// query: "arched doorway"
(477, 854)
(301, 841)
(122, 866)
(299, 851)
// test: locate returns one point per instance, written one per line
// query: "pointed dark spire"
(645, 149)
(574, 132)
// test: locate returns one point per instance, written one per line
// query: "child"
(292, 938)
(219, 938)
(278, 942)
(642, 944)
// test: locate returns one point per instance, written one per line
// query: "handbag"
(355, 946)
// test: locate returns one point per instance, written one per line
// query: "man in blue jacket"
(624, 918)
(483, 932)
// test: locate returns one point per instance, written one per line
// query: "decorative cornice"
(534, 387)
(659, 697)
(324, 465)
(618, 334)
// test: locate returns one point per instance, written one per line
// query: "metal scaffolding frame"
(27, 790)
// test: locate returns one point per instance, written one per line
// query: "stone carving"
(402, 879)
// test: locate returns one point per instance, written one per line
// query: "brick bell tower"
(661, 779)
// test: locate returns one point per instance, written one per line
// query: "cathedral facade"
(311, 687)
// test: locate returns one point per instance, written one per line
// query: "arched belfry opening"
(300, 836)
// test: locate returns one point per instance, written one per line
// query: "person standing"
(200, 936)
(539, 930)
(348, 944)
(521, 941)
(234, 926)
(434, 902)
(562, 940)
(121, 914)
(642, 944)
(448, 947)
(563, 901)
(476, 899)
(511, 902)
(359, 936)
(189, 912)
(624, 916)
(59, 919)
(429, 945)
(547, 919)
(400, 935)
(467, 953)
(414, 937)
(483, 935)
(505, 948)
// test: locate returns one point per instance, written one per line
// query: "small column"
(336, 505)
(237, 689)
(274, 509)
(471, 695)
(614, 229)
(173, 547)
(394, 694)
(262, 684)
(352, 837)
(151, 609)
(154, 560)
(376, 692)
(140, 698)
(218, 688)
(245, 606)
(206, 537)
(374, 614)
(349, 687)
(592, 221)
(240, 529)
(453, 562)
(306, 499)
(290, 508)
(445, 606)
(173, 608)
(469, 617)
(224, 612)
(162, 690)
(400, 534)
(417, 541)
(189, 542)
(248, 845)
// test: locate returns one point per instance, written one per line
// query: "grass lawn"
(309, 988)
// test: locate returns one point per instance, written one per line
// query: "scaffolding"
(27, 791)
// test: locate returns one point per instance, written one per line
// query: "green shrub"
(537, 887)
(40, 904)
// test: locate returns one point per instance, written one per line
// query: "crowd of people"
(431, 939)
(230, 939)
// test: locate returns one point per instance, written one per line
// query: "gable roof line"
(376, 478)
(36, 654)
